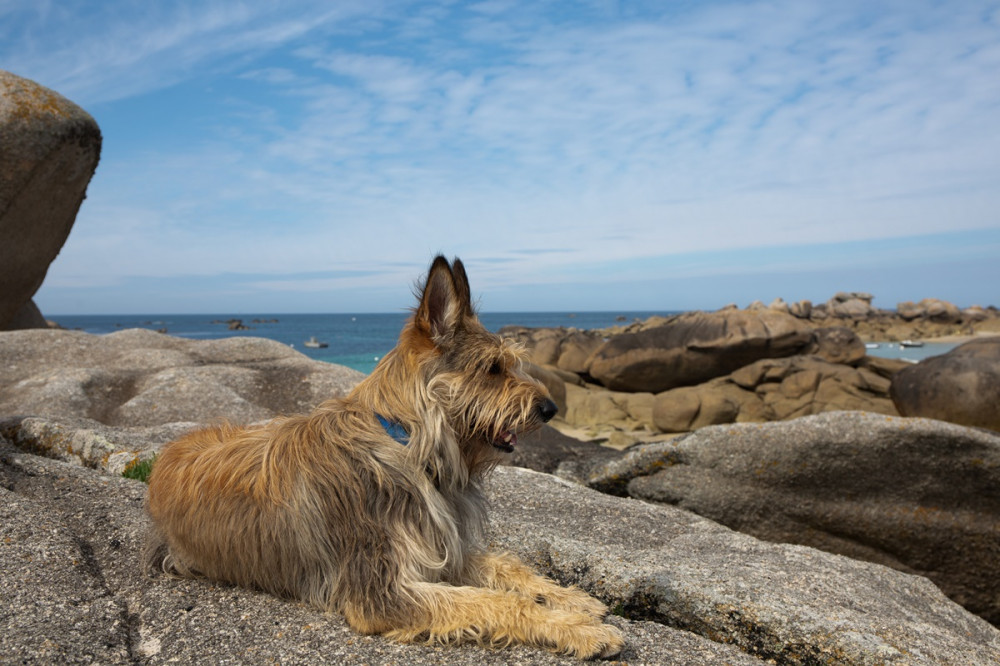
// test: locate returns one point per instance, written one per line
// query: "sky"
(313, 156)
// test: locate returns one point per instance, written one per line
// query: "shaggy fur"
(327, 508)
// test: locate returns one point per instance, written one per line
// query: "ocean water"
(355, 340)
(360, 340)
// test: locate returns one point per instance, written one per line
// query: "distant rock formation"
(764, 363)
(50, 149)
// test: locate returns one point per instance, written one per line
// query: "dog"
(372, 506)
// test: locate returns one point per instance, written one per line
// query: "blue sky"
(309, 156)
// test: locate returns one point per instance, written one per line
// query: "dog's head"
(474, 375)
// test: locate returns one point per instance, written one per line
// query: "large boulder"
(138, 377)
(913, 494)
(695, 347)
(962, 386)
(776, 390)
(694, 592)
(50, 151)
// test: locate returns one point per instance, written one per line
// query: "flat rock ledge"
(693, 592)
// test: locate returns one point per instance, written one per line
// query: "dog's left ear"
(446, 299)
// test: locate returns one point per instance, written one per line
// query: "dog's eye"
(495, 368)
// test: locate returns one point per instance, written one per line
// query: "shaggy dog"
(372, 505)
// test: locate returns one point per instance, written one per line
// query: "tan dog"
(372, 506)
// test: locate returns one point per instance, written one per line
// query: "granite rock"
(693, 592)
(962, 386)
(914, 494)
(694, 348)
(138, 377)
(50, 152)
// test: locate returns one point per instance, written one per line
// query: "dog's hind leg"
(449, 614)
(502, 571)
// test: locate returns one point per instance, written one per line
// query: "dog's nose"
(547, 409)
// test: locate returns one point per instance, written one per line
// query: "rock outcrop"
(138, 377)
(764, 363)
(50, 152)
(693, 592)
(688, 590)
(962, 386)
(913, 494)
(695, 347)
(776, 390)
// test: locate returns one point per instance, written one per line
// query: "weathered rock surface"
(71, 542)
(50, 152)
(695, 347)
(776, 390)
(69, 548)
(138, 377)
(913, 494)
(596, 406)
(70, 545)
(962, 386)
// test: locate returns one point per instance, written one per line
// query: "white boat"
(911, 343)
(314, 343)
(871, 345)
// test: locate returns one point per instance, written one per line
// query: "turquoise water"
(914, 354)
(359, 340)
(355, 340)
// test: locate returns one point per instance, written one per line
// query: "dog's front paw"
(575, 599)
(596, 641)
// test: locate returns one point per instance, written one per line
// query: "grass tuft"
(139, 469)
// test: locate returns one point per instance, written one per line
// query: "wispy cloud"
(379, 134)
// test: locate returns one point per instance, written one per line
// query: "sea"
(360, 340)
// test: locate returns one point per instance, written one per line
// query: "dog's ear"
(444, 301)
(462, 289)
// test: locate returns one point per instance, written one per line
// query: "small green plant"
(139, 469)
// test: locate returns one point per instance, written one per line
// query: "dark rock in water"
(913, 494)
(49, 148)
(696, 347)
(962, 386)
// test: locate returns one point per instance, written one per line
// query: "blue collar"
(394, 430)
